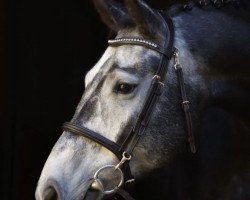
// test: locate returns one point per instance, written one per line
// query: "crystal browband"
(133, 40)
(142, 42)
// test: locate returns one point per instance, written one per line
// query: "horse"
(201, 153)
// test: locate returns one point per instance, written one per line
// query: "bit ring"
(98, 182)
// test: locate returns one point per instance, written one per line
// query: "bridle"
(125, 150)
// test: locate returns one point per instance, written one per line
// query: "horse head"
(115, 91)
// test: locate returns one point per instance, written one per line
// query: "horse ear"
(113, 14)
(146, 19)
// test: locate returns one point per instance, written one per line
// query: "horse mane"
(181, 6)
(172, 8)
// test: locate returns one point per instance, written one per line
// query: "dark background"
(46, 47)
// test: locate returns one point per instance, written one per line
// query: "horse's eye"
(125, 88)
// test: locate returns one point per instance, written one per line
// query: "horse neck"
(217, 49)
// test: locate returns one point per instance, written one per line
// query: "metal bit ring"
(97, 184)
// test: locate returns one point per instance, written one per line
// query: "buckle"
(185, 105)
(158, 79)
(177, 64)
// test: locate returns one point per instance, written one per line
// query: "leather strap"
(155, 90)
(94, 136)
(138, 41)
(124, 194)
(185, 106)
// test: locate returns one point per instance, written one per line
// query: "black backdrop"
(49, 47)
(46, 47)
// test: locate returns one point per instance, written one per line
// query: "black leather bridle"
(124, 151)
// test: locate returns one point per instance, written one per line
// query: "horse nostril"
(51, 194)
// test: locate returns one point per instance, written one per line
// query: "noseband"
(125, 150)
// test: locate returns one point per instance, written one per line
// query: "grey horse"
(214, 51)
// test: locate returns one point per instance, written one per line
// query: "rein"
(124, 152)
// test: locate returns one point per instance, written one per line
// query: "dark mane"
(208, 5)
